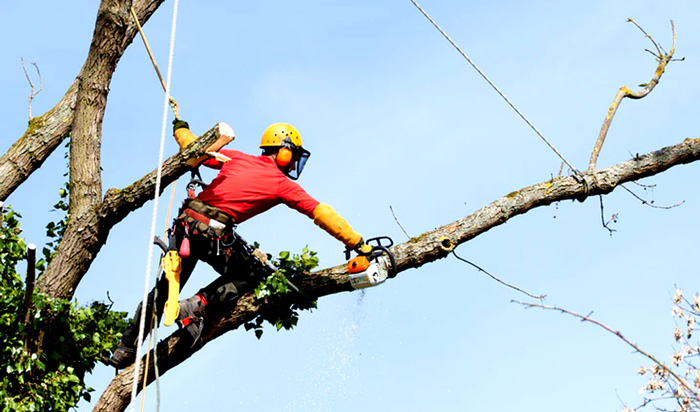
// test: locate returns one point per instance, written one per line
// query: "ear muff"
(284, 156)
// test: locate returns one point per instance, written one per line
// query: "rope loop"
(581, 178)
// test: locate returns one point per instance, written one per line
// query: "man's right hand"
(183, 135)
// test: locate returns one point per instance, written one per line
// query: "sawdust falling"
(335, 361)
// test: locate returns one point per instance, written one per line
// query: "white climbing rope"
(147, 281)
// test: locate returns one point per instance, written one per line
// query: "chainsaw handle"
(383, 249)
(378, 241)
(378, 245)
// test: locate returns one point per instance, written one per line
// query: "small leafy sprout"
(281, 302)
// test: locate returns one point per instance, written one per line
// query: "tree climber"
(246, 186)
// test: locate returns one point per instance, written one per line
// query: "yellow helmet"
(291, 156)
(275, 135)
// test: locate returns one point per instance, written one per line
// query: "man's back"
(249, 185)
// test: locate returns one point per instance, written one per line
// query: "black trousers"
(228, 256)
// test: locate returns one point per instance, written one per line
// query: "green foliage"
(76, 337)
(281, 302)
(55, 230)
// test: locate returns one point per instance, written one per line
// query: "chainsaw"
(373, 268)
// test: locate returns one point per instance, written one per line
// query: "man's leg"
(239, 272)
(125, 354)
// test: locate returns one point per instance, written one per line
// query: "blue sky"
(393, 116)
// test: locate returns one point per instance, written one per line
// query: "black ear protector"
(285, 154)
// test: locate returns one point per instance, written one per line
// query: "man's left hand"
(219, 157)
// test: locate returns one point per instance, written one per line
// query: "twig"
(616, 333)
(658, 48)
(649, 203)
(602, 218)
(32, 94)
(399, 223)
(663, 59)
(539, 297)
(643, 185)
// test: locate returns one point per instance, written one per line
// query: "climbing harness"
(159, 174)
(577, 174)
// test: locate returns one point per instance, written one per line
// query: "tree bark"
(86, 231)
(46, 132)
(90, 228)
(418, 251)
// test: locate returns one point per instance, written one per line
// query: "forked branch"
(32, 93)
(663, 59)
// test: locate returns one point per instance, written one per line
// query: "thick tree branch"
(43, 135)
(85, 232)
(663, 59)
(420, 250)
(90, 228)
(46, 132)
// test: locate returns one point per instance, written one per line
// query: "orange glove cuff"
(329, 220)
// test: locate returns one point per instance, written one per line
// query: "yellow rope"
(173, 104)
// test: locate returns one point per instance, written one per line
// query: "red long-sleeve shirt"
(249, 185)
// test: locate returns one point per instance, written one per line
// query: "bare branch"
(398, 223)
(656, 45)
(46, 132)
(650, 204)
(644, 186)
(583, 318)
(602, 218)
(663, 59)
(418, 251)
(33, 93)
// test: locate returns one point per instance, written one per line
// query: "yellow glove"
(182, 133)
(329, 220)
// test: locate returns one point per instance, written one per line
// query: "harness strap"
(209, 211)
(215, 224)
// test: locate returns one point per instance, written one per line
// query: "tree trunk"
(46, 132)
(418, 251)
(89, 229)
